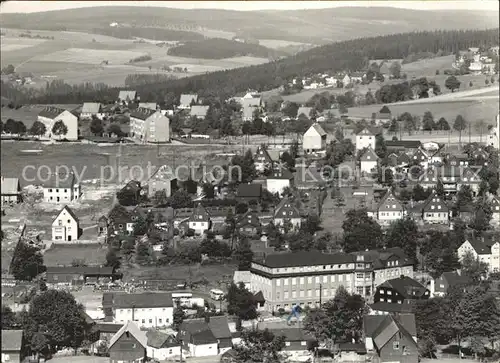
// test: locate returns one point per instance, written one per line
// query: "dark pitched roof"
(51, 112)
(251, 217)
(199, 330)
(249, 191)
(83, 270)
(259, 297)
(286, 209)
(143, 300)
(369, 155)
(219, 326)
(108, 327)
(200, 214)
(12, 340)
(159, 340)
(481, 248)
(454, 279)
(389, 203)
(60, 181)
(385, 109)
(406, 286)
(132, 328)
(435, 204)
(403, 144)
(70, 212)
(352, 347)
(292, 334)
(280, 173)
(379, 258)
(305, 258)
(371, 323)
(142, 113)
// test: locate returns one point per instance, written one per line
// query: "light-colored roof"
(122, 96)
(91, 107)
(304, 110)
(317, 128)
(242, 276)
(10, 186)
(199, 110)
(11, 340)
(133, 329)
(187, 99)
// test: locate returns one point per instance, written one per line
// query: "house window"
(395, 345)
(287, 344)
(159, 321)
(150, 321)
(143, 321)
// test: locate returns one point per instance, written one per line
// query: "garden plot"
(91, 56)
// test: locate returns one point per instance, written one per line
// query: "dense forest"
(217, 48)
(160, 34)
(349, 55)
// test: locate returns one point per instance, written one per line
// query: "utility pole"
(180, 358)
(469, 133)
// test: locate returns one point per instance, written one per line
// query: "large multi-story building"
(307, 278)
(149, 125)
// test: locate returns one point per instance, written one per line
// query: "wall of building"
(61, 195)
(145, 317)
(203, 350)
(163, 353)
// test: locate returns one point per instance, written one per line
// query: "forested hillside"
(338, 57)
(159, 34)
(217, 48)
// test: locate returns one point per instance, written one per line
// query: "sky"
(36, 6)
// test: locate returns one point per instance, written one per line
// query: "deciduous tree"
(59, 129)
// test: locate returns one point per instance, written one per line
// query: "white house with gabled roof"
(435, 210)
(368, 161)
(487, 252)
(314, 139)
(390, 209)
(365, 139)
(65, 226)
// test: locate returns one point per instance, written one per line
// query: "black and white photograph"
(250, 181)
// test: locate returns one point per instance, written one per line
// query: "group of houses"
(481, 61)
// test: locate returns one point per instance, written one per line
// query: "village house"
(91, 109)
(435, 210)
(314, 139)
(69, 275)
(494, 135)
(391, 338)
(187, 100)
(147, 310)
(485, 251)
(119, 221)
(461, 159)
(66, 226)
(297, 343)
(306, 111)
(10, 191)
(205, 336)
(398, 295)
(129, 345)
(249, 192)
(389, 209)
(163, 180)
(250, 103)
(199, 111)
(495, 209)
(420, 156)
(199, 221)
(279, 179)
(287, 212)
(262, 159)
(440, 286)
(365, 139)
(346, 80)
(13, 346)
(50, 115)
(249, 224)
(149, 125)
(368, 162)
(125, 97)
(162, 346)
(61, 189)
(384, 114)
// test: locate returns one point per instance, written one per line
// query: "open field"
(76, 57)
(427, 67)
(472, 111)
(94, 56)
